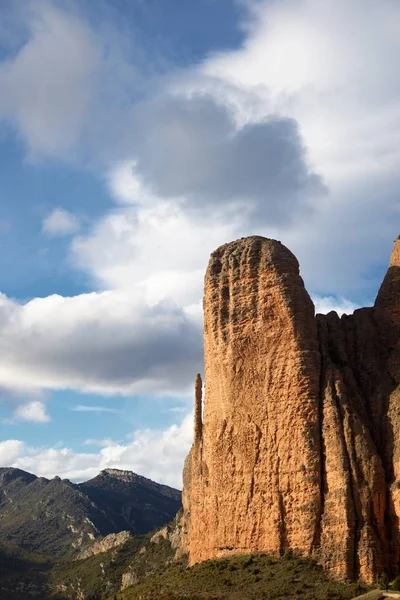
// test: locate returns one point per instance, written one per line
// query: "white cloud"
(47, 86)
(60, 222)
(160, 249)
(155, 454)
(68, 81)
(34, 412)
(330, 66)
(125, 185)
(10, 450)
(108, 342)
(326, 304)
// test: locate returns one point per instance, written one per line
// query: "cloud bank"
(109, 343)
(153, 453)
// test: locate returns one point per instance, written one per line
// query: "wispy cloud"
(8, 421)
(99, 442)
(177, 409)
(94, 409)
(60, 222)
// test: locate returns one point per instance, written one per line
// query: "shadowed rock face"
(299, 447)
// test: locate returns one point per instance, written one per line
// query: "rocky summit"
(59, 518)
(297, 446)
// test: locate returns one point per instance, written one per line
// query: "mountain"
(298, 448)
(132, 502)
(58, 518)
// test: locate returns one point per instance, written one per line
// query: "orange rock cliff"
(297, 446)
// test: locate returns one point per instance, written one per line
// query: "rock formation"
(113, 540)
(298, 446)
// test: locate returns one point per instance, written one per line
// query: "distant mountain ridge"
(131, 501)
(58, 518)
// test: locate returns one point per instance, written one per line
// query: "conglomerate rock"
(299, 444)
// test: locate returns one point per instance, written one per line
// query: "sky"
(136, 136)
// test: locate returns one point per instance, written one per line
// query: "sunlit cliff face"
(299, 446)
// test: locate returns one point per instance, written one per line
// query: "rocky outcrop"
(107, 543)
(173, 534)
(297, 446)
(128, 578)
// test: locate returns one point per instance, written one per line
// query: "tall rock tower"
(298, 443)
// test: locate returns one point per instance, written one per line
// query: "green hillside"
(247, 577)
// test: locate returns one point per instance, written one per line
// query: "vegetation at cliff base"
(24, 575)
(101, 575)
(245, 577)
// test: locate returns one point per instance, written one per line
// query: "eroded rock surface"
(299, 444)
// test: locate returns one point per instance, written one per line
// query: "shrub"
(395, 585)
(383, 583)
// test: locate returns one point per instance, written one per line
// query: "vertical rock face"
(298, 444)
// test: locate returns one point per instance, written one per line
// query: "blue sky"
(33, 265)
(134, 139)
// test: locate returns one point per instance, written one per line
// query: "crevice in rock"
(316, 543)
(198, 409)
(256, 459)
(355, 525)
(283, 542)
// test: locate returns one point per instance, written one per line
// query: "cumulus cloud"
(34, 412)
(60, 222)
(159, 249)
(157, 454)
(191, 148)
(300, 71)
(329, 65)
(10, 450)
(109, 342)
